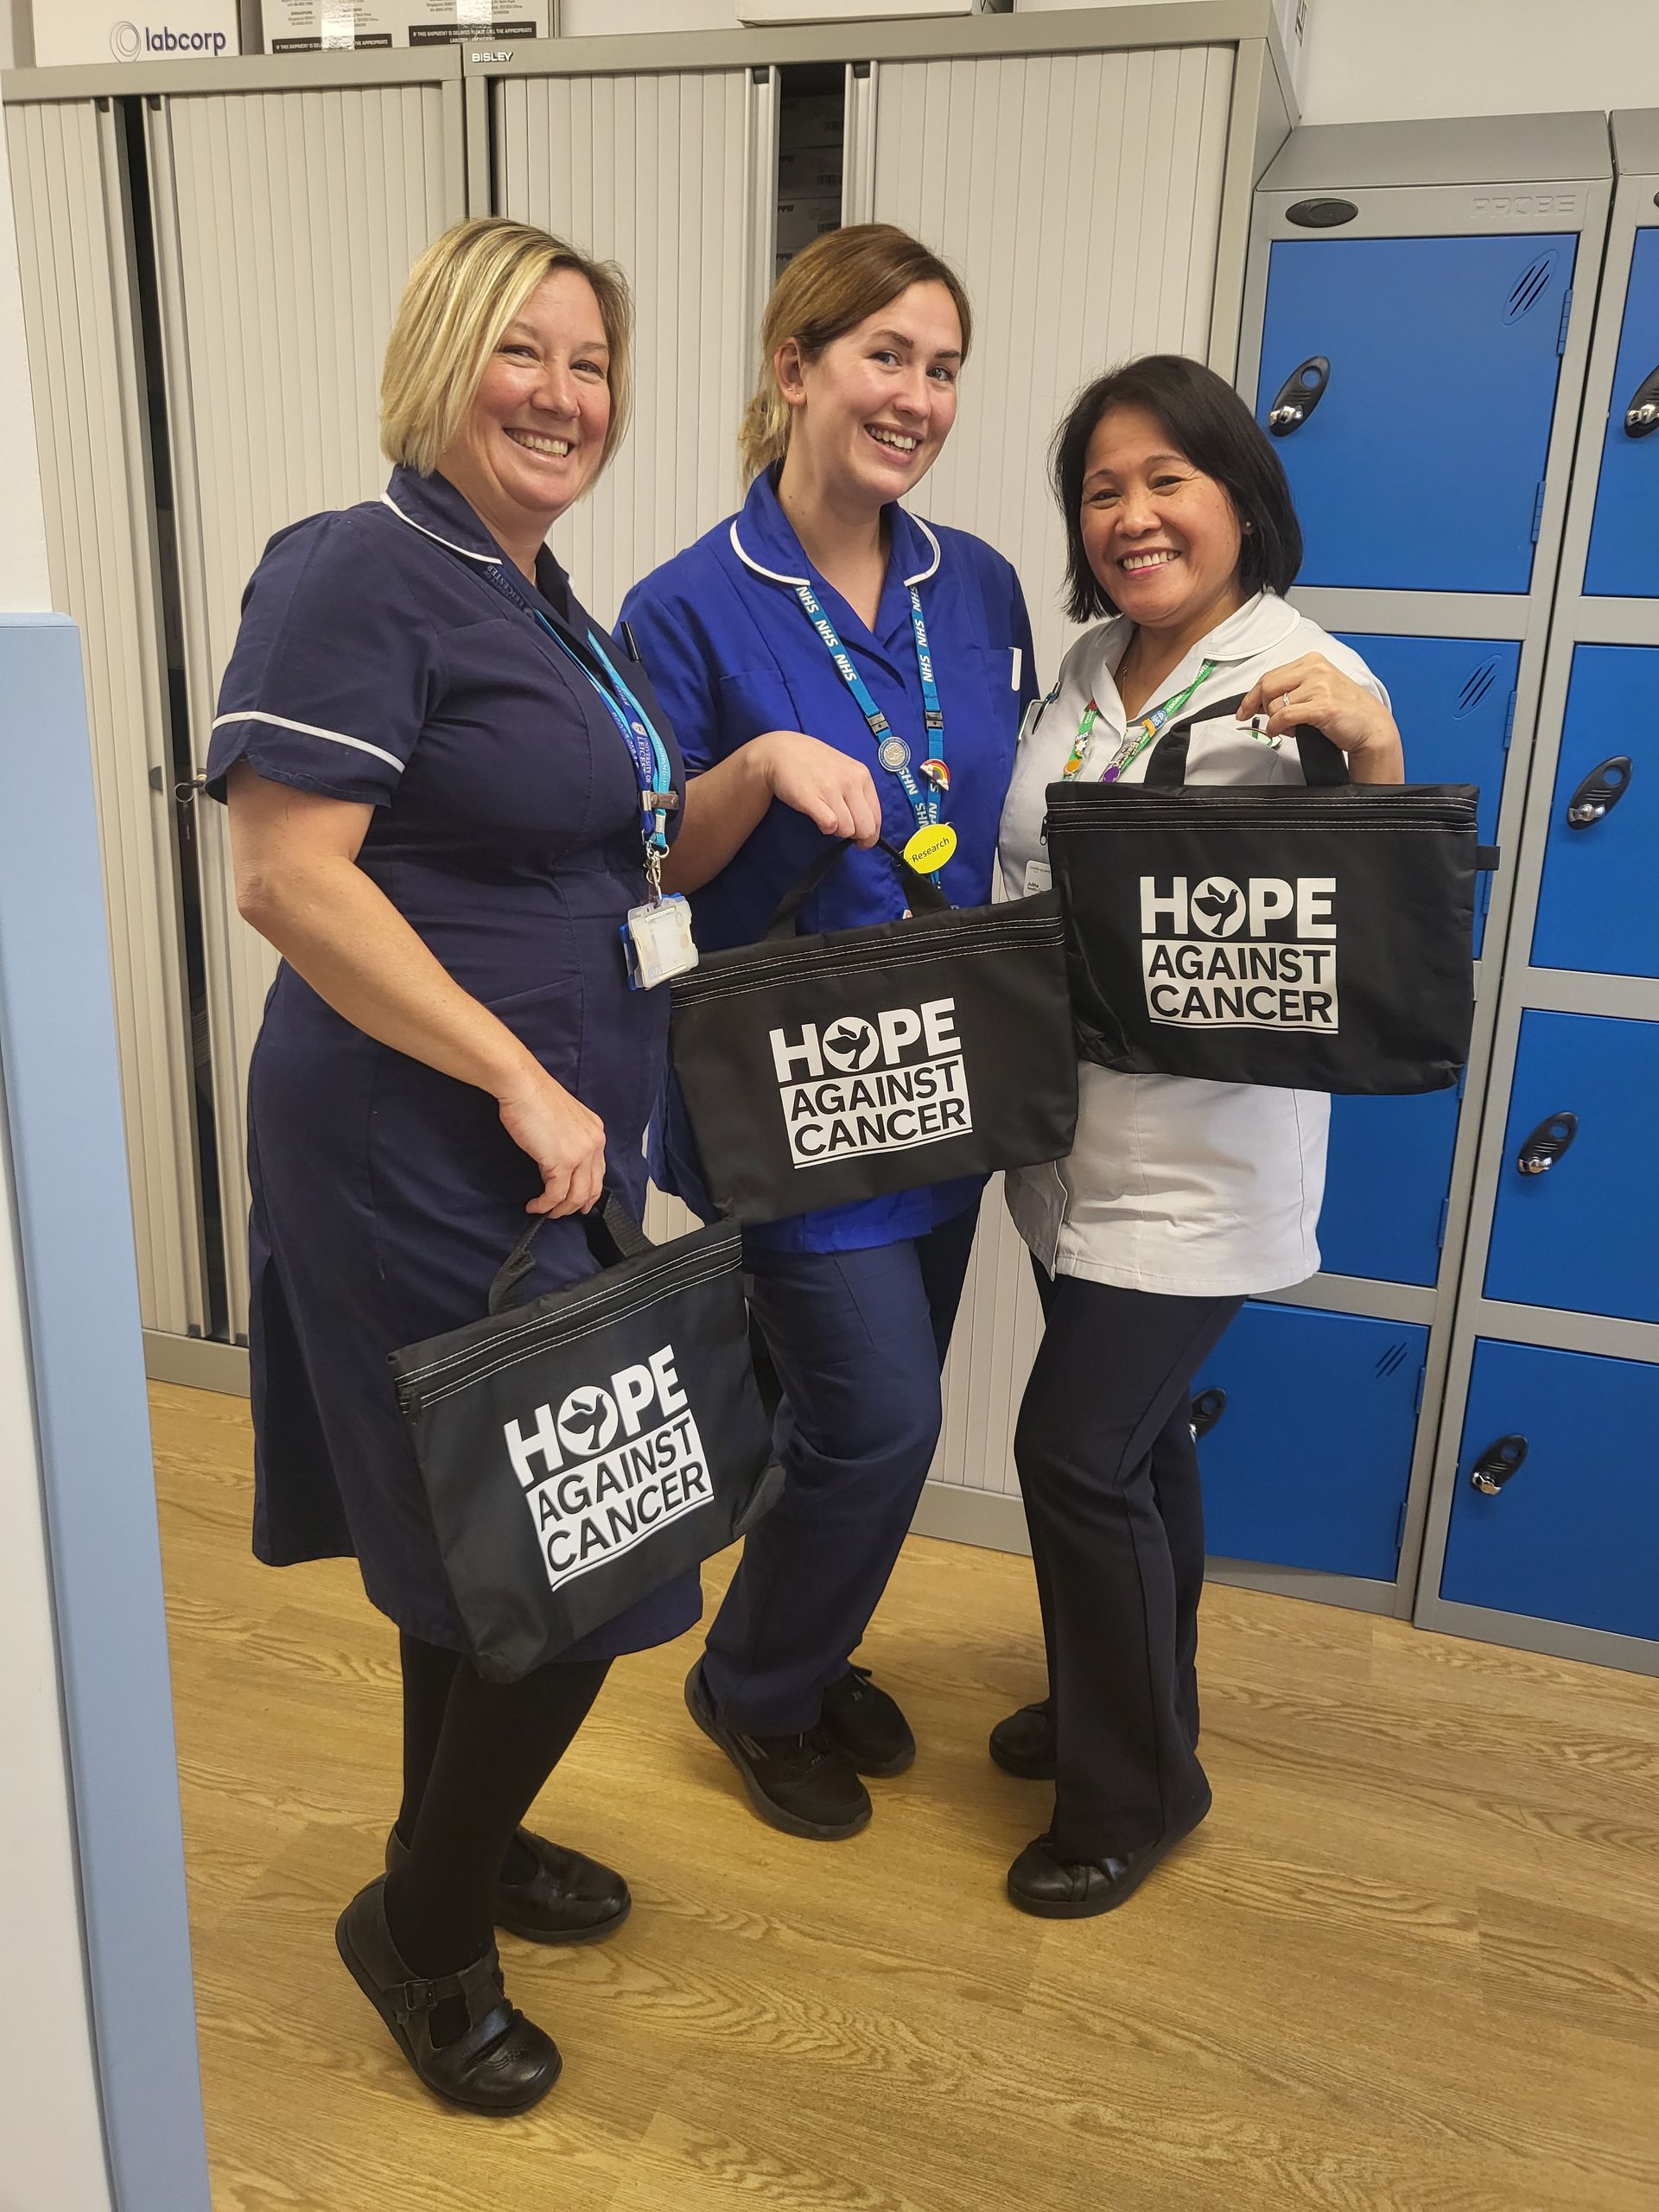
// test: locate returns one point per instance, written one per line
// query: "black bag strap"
(1322, 765)
(922, 896)
(612, 1234)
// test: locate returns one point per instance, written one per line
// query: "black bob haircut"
(1210, 424)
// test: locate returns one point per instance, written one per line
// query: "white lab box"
(106, 30)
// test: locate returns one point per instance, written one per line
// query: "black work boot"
(802, 1783)
(1024, 1742)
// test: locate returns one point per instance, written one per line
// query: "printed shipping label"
(617, 1461)
(1256, 955)
(884, 1085)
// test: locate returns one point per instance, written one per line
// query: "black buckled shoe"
(568, 1898)
(1055, 1889)
(1024, 1742)
(803, 1783)
(501, 2063)
(866, 1726)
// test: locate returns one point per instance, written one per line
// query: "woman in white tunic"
(1180, 1198)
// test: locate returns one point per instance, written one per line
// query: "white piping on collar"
(776, 576)
(490, 560)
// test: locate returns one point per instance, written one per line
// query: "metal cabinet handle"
(1207, 1409)
(1300, 394)
(1546, 1143)
(1600, 791)
(1642, 415)
(1497, 1463)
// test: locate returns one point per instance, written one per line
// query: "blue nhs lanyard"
(891, 749)
(638, 731)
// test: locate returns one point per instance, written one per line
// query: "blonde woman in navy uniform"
(823, 606)
(1180, 1198)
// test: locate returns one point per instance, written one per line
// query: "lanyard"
(891, 749)
(1140, 735)
(638, 733)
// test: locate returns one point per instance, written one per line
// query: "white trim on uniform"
(775, 576)
(310, 729)
(490, 560)
(772, 575)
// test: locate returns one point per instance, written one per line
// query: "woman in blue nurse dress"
(824, 606)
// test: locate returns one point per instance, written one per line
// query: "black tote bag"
(820, 1070)
(1315, 938)
(581, 1451)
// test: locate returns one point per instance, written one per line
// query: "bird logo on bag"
(588, 1420)
(1217, 906)
(852, 1043)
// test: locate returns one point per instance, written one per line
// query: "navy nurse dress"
(376, 663)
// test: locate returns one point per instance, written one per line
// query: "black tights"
(475, 1754)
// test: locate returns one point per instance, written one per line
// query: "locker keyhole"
(1546, 1143)
(1300, 394)
(1207, 1409)
(1600, 791)
(1497, 1463)
(1642, 415)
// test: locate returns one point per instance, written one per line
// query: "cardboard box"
(812, 119)
(68, 31)
(810, 172)
(800, 221)
(303, 26)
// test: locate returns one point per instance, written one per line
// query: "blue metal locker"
(1307, 1462)
(1556, 1511)
(1580, 1190)
(1391, 1164)
(1623, 559)
(1424, 374)
(1596, 907)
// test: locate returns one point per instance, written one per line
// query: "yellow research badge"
(927, 850)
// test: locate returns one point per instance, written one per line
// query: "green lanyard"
(1141, 733)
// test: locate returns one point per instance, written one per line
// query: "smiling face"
(1161, 537)
(870, 414)
(535, 436)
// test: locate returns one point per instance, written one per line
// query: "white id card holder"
(1039, 876)
(657, 942)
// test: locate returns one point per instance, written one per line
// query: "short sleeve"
(678, 661)
(334, 672)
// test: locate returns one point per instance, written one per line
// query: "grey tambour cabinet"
(1544, 1524)
(75, 243)
(1416, 324)
(1090, 175)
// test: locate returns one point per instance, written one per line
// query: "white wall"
(1380, 60)
(52, 2159)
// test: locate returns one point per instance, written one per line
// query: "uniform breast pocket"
(749, 702)
(997, 676)
(1220, 751)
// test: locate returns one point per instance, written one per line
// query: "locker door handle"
(1600, 791)
(1642, 415)
(1497, 1463)
(1207, 1409)
(1546, 1143)
(1300, 394)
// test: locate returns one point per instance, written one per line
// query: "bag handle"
(922, 896)
(1324, 765)
(612, 1234)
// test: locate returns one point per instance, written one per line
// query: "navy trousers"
(857, 1340)
(1110, 1475)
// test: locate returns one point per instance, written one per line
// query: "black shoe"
(567, 1899)
(501, 2063)
(1055, 1889)
(802, 1783)
(1024, 1742)
(866, 1726)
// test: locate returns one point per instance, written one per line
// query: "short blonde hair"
(828, 290)
(461, 294)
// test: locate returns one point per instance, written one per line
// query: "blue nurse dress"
(376, 663)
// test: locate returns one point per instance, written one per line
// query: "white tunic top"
(1203, 1190)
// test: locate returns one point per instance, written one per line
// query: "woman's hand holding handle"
(564, 1139)
(1312, 691)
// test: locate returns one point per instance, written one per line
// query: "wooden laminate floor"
(1410, 1964)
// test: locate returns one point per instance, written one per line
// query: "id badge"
(1039, 876)
(657, 942)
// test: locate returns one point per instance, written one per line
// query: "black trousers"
(1109, 1472)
